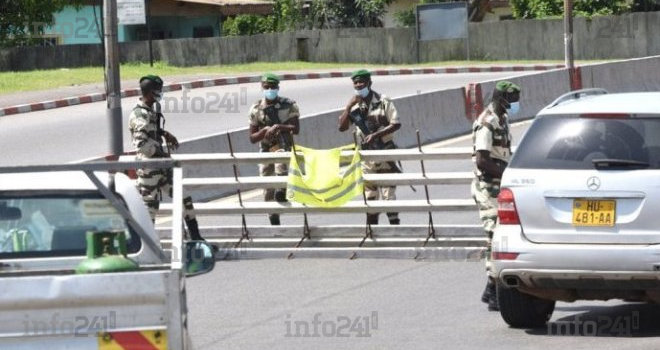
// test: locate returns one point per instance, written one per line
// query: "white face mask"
(271, 94)
(362, 92)
(513, 109)
(158, 96)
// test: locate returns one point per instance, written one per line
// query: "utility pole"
(112, 82)
(147, 11)
(568, 43)
(568, 33)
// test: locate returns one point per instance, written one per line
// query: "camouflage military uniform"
(146, 134)
(380, 112)
(286, 109)
(489, 135)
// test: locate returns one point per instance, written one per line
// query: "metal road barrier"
(422, 241)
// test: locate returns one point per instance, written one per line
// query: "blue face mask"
(513, 109)
(271, 94)
(362, 92)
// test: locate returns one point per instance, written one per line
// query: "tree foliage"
(247, 25)
(527, 9)
(289, 15)
(406, 18)
(22, 21)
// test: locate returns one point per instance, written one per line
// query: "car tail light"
(506, 208)
(504, 256)
(605, 115)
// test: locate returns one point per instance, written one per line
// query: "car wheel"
(520, 310)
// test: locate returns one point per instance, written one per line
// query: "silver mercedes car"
(579, 207)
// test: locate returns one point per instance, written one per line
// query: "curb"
(77, 100)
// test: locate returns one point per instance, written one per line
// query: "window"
(570, 142)
(203, 32)
(56, 225)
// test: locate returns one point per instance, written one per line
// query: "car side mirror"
(9, 213)
(199, 258)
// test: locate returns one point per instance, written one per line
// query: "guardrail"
(429, 241)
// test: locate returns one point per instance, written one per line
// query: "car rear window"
(54, 225)
(573, 142)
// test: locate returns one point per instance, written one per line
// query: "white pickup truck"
(46, 213)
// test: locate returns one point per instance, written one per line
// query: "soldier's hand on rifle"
(272, 132)
(172, 142)
(369, 139)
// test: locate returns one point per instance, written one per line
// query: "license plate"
(589, 212)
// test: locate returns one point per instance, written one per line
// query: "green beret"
(361, 73)
(507, 87)
(270, 78)
(156, 80)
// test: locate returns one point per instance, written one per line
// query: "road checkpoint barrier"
(424, 240)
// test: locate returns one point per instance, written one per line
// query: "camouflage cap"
(270, 78)
(361, 73)
(507, 87)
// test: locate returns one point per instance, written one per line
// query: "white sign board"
(447, 20)
(131, 12)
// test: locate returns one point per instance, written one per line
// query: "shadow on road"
(626, 320)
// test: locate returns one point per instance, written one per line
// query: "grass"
(11, 82)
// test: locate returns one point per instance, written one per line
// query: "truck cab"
(48, 218)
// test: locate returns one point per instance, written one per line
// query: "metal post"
(177, 219)
(417, 54)
(147, 10)
(113, 87)
(568, 35)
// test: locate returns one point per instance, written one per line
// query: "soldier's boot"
(280, 195)
(274, 219)
(394, 218)
(372, 219)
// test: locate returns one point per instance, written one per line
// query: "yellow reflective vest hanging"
(316, 178)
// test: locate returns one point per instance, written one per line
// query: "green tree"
(22, 21)
(289, 15)
(247, 25)
(406, 18)
(526, 9)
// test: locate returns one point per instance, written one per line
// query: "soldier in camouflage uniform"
(273, 121)
(492, 150)
(375, 119)
(147, 133)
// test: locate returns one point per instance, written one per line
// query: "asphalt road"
(418, 305)
(81, 132)
(273, 304)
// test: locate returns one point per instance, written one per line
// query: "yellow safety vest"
(321, 182)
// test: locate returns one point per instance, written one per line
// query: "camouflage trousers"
(278, 169)
(271, 194)
(485, 194)
(152, 184)
(374, 192)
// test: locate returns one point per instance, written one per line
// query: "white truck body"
(45, 304)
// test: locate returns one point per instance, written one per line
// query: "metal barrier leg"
(368, 233)
(306, 235)
(245, 235)
(431, 232)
